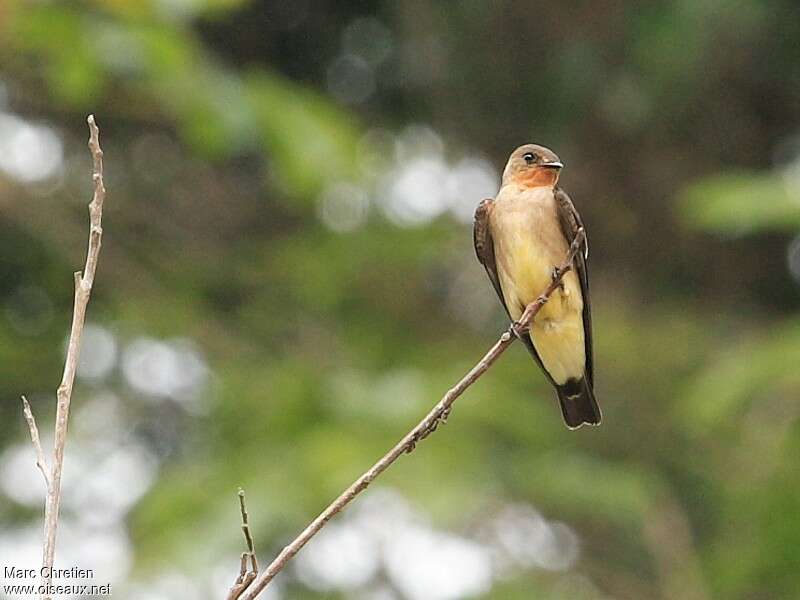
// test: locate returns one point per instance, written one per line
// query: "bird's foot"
(522, 326)
(518, 330)
(556, 275)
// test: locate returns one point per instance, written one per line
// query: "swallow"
(521, 236)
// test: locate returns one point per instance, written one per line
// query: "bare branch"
(83, 289)
(41, 462)
(246, 577)
(428, 425)
(246, 531)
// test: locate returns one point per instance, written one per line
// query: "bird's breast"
(528, 244)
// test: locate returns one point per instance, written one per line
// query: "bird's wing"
(570, 222)
(484, 246)
(484, 249)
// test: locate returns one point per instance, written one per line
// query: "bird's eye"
(529, 157)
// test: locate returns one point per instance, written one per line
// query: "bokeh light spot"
(350, 79)
(28, 153)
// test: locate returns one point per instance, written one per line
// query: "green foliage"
(741, 203)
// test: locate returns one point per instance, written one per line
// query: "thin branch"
(248, 537)
(243, 581)
(83, 289)
(41, 462)
(437, 415)
(246, 576)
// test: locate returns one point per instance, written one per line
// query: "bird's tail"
(578, 404)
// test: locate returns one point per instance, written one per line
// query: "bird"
(520, 237)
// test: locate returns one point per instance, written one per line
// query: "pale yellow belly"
(528, 245)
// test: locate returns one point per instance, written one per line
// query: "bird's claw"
(522, 326)
(518, 330)
(556, 275)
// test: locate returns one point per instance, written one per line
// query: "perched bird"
(521, 237)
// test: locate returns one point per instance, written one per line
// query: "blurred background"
(288, 283)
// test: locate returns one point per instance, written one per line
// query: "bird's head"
(532, 166)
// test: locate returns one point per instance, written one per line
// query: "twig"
(246, 577)
(83, 289)
(248, 537)
(437, 415)
(41, 462)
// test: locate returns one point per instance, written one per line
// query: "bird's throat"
(537, 177)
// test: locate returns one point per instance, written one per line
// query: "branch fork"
(248, 563)
(83, 288)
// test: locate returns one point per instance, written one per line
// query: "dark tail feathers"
(578, 404)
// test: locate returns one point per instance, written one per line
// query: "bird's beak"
(553, 165)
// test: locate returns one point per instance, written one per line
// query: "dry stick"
(428, 425)
(41, 462)
(83, 289)
(246, 576)
(248, 537)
